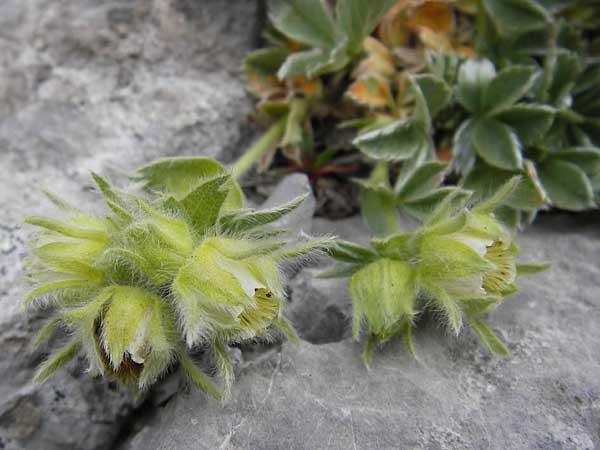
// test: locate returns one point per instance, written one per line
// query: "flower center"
(267, 308)
(504, 273)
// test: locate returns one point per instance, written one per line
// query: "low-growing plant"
(177, 267)
(493, 88)
(459, 264)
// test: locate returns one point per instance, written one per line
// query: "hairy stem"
(270, 138)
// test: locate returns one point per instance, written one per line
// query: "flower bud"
(476, 260)
(383, 293)
(134, 332)
(228, 289)
(158, 244)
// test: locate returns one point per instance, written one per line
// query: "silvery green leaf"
(497, 144)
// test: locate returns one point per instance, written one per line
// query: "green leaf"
(306, 249)
(196, 376)
(497, 144)
(448, 306)
(423, 207)
(531, 122)
(66, 229)
(58, 361)
(395, 142)
(532, 268)
(586, 158)
(294, 129)
(463, 152)
(485, 181)
(358, 18)
(472, 306)
(307, 21)
(341, 271)
(177, 176)
(350, 252)
(565, 71)
(249, 220)
(407, 338)
(59, 285)
(499, 197)
(435, 92)
(45, 333)
(379, 211)
(315, 62)
(567, 185)
(265, 61)
(203, 205)
(473, 80)
(516, 16)
(507, 87)
(225, 369)
(487, 336)
(422, 182)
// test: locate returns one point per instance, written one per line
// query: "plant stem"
(266, 142)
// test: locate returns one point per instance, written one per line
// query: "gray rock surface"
(545, 395)
(95, 85)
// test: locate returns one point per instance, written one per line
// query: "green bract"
(460, 263)
(179, 267)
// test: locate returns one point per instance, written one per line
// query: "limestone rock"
(97, 85)
(545, 395)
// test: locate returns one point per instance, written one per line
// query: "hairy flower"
(179, 268)
(459, 264)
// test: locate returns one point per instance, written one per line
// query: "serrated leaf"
(358, 18)
(435, 91)
(487, 336)
(307, 21)
(204, 204)
(507, 87)
(567, 185)
(395, 142)
(473, 80)
(531, 122)
(497, 144)
(516, 16)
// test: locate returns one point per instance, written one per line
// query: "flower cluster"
(179, 267)
(461, 263)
